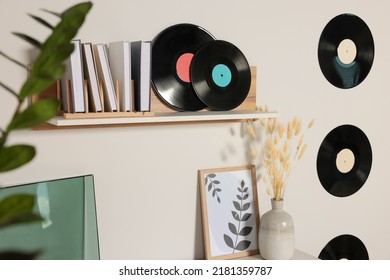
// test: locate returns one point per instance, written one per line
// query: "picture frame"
(230, 212)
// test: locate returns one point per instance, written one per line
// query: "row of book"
(109, 71)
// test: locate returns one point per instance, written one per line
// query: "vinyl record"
(344, 160)
(344, 247)
(220, 75)
(172, 53)
(346, 51)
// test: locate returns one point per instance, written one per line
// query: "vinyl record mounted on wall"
(346, 51)
(344, 160)
(172, 52)
(344, 247)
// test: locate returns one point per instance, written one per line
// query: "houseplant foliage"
(47, 68)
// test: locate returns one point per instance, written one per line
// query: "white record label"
(345, 160)
(346, 51)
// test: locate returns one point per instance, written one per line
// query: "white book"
(91, 76)
(74, 73)
(141, 74)
(104, 74)
(119, 56)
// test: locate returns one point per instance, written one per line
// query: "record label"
(344, 247)
(183, 67)
(344, 160)
(173, 50)
(346, 51)
(220, 75)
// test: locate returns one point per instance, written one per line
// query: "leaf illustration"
(236, 216)
(245, 190)
(246, 217)
(233, 228)
(245, 196)
(245, 206)
(211, 175)
(216, 182)
(242, 183)
(210, 186)
(214, 191)
(239, 197)
(206, 179)
(240, 190)
(218, 199)
(245, 231)
(218, 189)
(243, 245)
(237, 205)
(228, 241)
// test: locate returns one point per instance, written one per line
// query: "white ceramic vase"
(276, 233)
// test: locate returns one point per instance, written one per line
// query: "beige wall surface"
(146, 177)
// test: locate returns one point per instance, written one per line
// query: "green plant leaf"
(67, 28)
(42, 21)
(37, 113)
(28, 39)
(14, 60)
(51, 12)
(20, 219)
(48, 67)
(38, 82)
(15, 205)
(16, 255)
(7, 88)
(13, 157)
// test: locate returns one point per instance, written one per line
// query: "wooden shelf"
(159, 114)
(165, 118)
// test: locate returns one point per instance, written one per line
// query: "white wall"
(146, 177)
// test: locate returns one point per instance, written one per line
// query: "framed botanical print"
(230, 211)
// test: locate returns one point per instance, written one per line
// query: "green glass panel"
(69, 227)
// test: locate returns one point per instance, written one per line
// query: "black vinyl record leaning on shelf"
(172, 52)
(344, 160)
(344, 247)
(220, 75)
(346, 51)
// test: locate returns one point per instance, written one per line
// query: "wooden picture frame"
(230, 212)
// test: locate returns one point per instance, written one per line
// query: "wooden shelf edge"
(165, 118)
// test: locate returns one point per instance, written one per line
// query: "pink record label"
(183, 67)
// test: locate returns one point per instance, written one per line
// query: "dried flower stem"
(284, 147)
